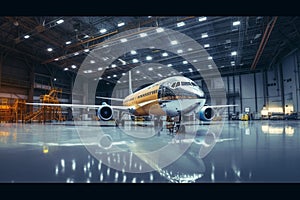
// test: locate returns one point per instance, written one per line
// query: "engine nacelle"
(105, 112)
(206, 113)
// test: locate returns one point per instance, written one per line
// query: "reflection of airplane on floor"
(173, 96)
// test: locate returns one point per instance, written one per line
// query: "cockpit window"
(185, 83)
(173, 85)
(178, 84)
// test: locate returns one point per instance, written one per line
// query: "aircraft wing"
(110, 98)
(81, 106)
(221, 106)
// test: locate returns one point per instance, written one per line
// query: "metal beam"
(263, 42)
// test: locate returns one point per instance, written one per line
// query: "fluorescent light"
(135, 60)
(236, 23)
(68, 42)
(121, 24)
(108, 76)
(76, 53)
(180, 24)
(204, 35)
(190, 69)
(86, 50)
(209, 66)
(49, 49)
(56, 59)
(100, 78)
(169, 65)
(113, 65)
(115, 75)
(232, 63)
(66, 69)
(159, 30)
(103, 30)
(100, 68)
(60, 21)
(206, 45)
(174, 42)
(234, 53)
(185, 62)
(148, 58)
(201, 19)
(137, 71)
(54, 79)
(27, 36)
(209, 57)
(143, 34)
(195, 60)
(133, 52)
(86, 36)
(122, 61)
(179, 51)
(190, 49)
(150, 68)
(123, 74)
(87, 71)
(123, 40)
(73, 66)
(165, 54)
(92, 61)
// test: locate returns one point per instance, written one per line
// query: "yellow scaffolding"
(47, 113)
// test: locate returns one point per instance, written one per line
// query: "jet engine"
(206, 113)
(105, 112)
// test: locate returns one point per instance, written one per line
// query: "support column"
(241, 94)
(255, 92)
(281, 87)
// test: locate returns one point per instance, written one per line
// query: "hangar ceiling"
(237, 44)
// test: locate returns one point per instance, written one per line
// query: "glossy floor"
(243, 151)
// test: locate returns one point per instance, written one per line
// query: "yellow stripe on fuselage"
(148, 94)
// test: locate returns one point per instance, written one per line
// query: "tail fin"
(129, 82)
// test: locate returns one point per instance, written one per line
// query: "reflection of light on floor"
(116, 176)
(73, 165)
(62, 162)
(151, 177)
(124, 178)
(101, 176)
(271, 130)
(212, 176)
(289, 131)
(56, 169)
(133, 180)
(70, 180)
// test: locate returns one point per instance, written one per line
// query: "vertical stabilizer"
(129, 82)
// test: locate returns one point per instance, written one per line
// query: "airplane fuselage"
(170, 96)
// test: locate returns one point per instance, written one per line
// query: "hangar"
(247, 65)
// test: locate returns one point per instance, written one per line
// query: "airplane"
(172, 96)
